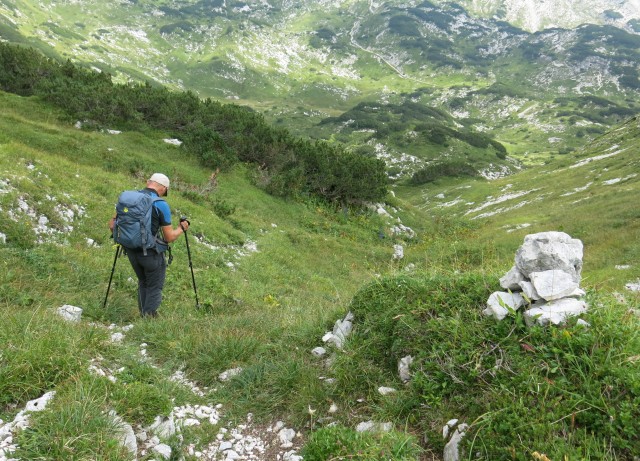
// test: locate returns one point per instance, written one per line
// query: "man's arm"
(170, 234)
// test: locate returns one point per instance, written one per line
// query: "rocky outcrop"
(545, 281)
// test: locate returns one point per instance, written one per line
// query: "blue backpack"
(132, 226)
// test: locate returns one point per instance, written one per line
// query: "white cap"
(161, 179)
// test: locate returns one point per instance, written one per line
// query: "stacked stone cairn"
(544, 281)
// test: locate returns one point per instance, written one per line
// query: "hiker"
(149, 262)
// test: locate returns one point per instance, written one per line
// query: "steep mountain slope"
(302, 62)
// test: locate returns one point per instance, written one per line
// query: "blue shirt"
(161, 215)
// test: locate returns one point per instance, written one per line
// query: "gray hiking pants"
(151, 270)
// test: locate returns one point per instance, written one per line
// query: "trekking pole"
(104, 305)
(193, 279)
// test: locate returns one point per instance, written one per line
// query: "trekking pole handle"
(183, 219)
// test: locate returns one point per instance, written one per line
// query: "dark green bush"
(442, 169)
(223, 208)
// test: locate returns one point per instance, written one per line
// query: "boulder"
(548, 251)
(511, 280)
(500, 302)
(553, 284)
(554, 312)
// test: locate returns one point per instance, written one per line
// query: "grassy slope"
(310, 261)
(272, 308)
(590, 200)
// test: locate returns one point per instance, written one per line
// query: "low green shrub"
(223, 209)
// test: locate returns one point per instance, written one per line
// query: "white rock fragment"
(529, 291)
(228, 374)
(117, 337)
(451, 449)
(224, 446)
(447, 427)
(127, 436)
(398, 252)
(404, 365)
(286, 437)
(163, 450)
(70, 313)
(386, 390)
(319, 351)
(174, 142)
(341, 331)
(373, 426)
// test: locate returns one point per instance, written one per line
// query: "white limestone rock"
(341, 331)
(511, 280)
(529, 291)
(163, 427)
(127, 436)
(500, 302)
(70, 313)
(40, 403)
(163, 450)
(382, 390)
(404, 365)
(286, 437)
(319, 351)
(451, 449)
(553, 284)
(373, 426)
(228, 374)
(554, 312)
(548, 251)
